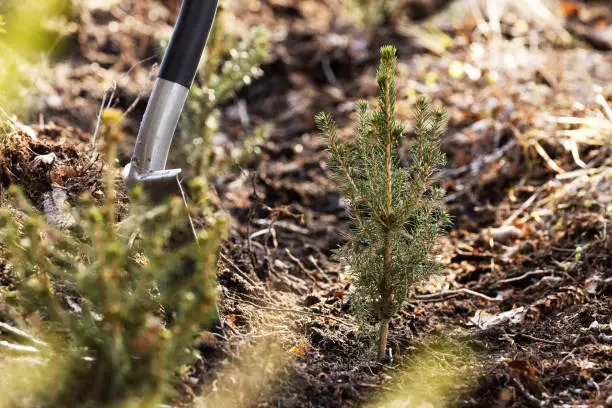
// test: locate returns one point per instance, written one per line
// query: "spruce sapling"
(119, 327)
(396, 213)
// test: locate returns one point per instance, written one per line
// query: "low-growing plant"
(367, 13)
(229, 64)
(396, 212)
(115, 309)
(28, 38)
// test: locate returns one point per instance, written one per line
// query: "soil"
(521, 314)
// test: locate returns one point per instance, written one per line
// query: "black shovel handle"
(188, 41)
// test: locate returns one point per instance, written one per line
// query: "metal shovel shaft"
(166, 103)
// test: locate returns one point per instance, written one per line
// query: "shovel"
(148, 164)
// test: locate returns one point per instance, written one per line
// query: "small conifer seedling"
(396, 212)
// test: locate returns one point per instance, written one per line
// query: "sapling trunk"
(396, 213)
(383, 336)
(385, 298)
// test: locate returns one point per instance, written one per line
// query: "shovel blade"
(164, 184)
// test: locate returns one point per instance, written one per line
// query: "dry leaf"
(569, 8)
(300, 349)
(484, 320)
(61, 174)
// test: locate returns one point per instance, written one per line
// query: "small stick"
(604, 105)
(523, 276)
(20, 333)
(99, 121)
(313, 260)
(576, 153)
(522, 208)
(328, 71)
(571, 353)
(541, 340)
(452, 293)
(140, 94)
(238, 270)
(550, 162)
(18, 347)
(299, 263)
(526, 393)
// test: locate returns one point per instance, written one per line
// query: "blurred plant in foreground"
(396, 213)
(368, 12)
(228, 65)
(435, 372)
(113, 321)
(28, 37)
(245, 381)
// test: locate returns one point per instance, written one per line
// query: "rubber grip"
(188, 41)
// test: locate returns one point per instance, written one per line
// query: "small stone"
(311, 300)
(57, 209)
(505, 234)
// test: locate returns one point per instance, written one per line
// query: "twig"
(604, 105)
(99, 121)
(523, 276)
(140, 94)
(238, 270)
(522, 208)
(460, 257)
(313, 260)
(550, 162)
(283, 225)
(259, 233)
(328, 71)
(21, 333)
(366, 385)
(103, 107)
(526, 393)
(571, 353)
(452, 293)
(541, 340)
(579, 173)
(576, 153)
(591, 122)
(299, 263)
(18, 347)
(26, 360)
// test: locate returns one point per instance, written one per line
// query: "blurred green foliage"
(116, 307)
(436, 372)
(366, 13)
(28, 38)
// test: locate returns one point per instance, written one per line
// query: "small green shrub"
(396, 213)
(29, 35)
(118, 304)
(367, 13)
